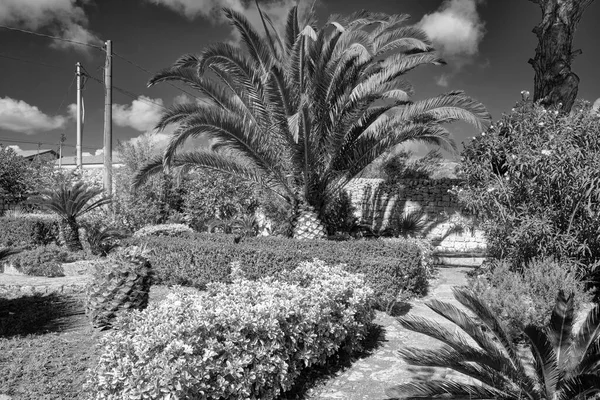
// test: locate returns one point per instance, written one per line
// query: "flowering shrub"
(395, 269)
(248, 339)
(533, 181)
(526, 298)
(163, 230)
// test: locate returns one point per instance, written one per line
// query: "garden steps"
(367, 378)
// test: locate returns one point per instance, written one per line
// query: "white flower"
(513, 110)
(546, 152)
(513, 157)
(482, 133)
(491, 189)
(541, 124)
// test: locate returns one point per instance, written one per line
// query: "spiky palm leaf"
(70, 203)
(303, 114)
(564, 366)
(6, 252)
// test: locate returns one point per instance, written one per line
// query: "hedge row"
(391, 268)
(28, 231)
(245, 340)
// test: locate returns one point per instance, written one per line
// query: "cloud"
(142, 115)
(596, 106)
(64, 18)
(211, 10)
(15, 148)
(443, 80)
(456, 30)
(86, 154)
(18, 116)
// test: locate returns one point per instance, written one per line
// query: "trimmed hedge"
(392, 268)
(28, 230)
(245, 340)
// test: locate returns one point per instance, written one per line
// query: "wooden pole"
(107, 181)
(79, 124)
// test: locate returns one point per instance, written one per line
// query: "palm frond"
(586, 346)
(455, 390)
(292, 30)
(545, 360)
(561, 325)
(581, 387)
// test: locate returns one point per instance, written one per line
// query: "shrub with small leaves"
(164, 230)
(245, 340)
(42, 261)
(526, 298)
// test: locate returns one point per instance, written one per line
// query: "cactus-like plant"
(121, 283)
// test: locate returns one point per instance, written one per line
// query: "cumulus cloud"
(443, 80)
(65, 18)
(15, 148)
(456, 30)
(596, 106)
(18, 116)
(211, 10)
(142, 114)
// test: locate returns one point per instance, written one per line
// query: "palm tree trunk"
(307, 225)
(70, 230)
(554, 82)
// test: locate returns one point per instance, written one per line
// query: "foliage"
(28, 230)
(533, 180)
(214, 195)
(69, 203)
(403, 166)
(246, 225)
(20, 177)
(42, 261)
(103, 239)
(394, 269)
(526, 298)
(164, 230)
(562, 364)
(7, 252)
(152, 203)
(242, 340)
(338, 215)
(303, 115)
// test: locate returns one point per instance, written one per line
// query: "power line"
(152, 73)
(46, 143)
(66, 94)
(127, 93)
(30, 61)
(52, 37)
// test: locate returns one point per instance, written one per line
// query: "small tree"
(70, 203)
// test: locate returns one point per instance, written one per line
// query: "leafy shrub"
(28, 230)
(164, 230)
(527, 297)
(212, 194)
(249, 339)
(394, 269)
(246, 225)
(42, 261)
(338, 215)
(533, 180)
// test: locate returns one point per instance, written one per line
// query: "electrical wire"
(152, 73)
(46, 143)
(52, 37)
(3, 55)
(127, 93)
(66, 94)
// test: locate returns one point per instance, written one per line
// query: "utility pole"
(107, 181)
(62, 140)
(79, 124)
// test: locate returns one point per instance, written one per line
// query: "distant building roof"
(87, 160)
(30, 154)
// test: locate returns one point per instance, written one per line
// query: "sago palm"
(70, 203)
(562, 364)
(304, 113)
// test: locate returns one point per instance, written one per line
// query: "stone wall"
(448, 226)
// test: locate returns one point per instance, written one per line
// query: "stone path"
(368, 378)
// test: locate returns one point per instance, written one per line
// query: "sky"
(486, 43)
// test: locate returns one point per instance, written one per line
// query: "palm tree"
(70, 203)
(562, 365)
(302, 115)
(7, 252)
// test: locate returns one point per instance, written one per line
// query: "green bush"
(249, 339)
(28, 230)
(527, 298)
(164, 230)
(532, 179)
(394, 269)
(42, 261)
